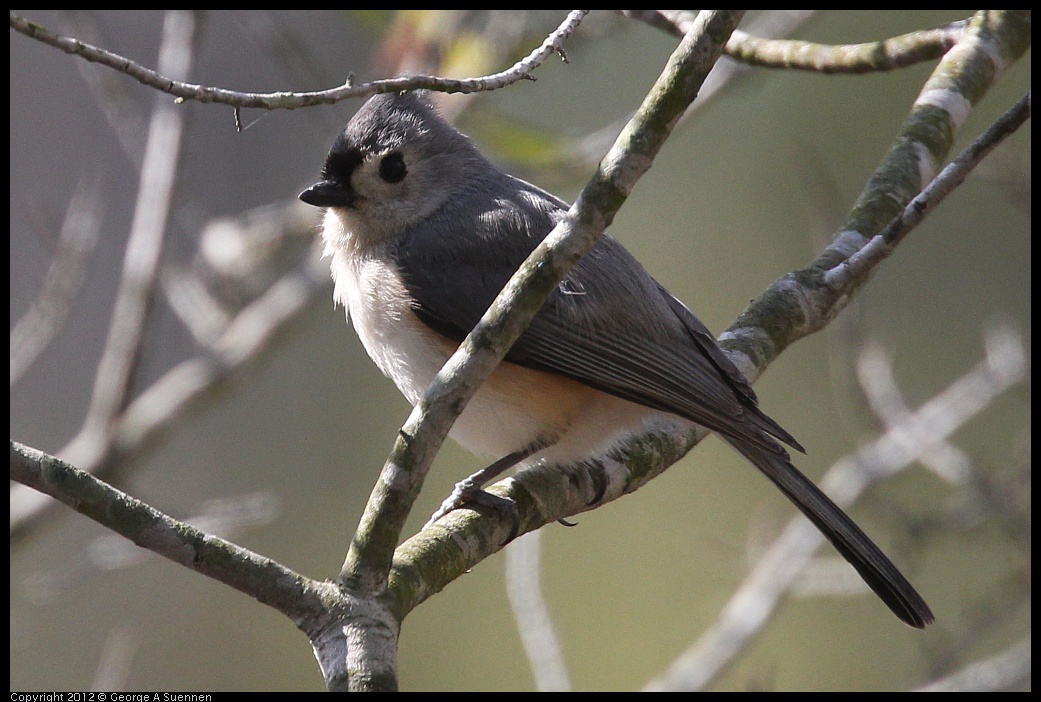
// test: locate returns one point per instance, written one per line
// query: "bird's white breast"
(515, 407)
(377, 304)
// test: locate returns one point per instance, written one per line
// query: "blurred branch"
(878, 384)
(118, 428)
(116, 661)
(287, 100)
(113, 96)
(1005, 672)
(776, 572)
(190, 383)
(141, 262)
(531, 613)
(79, 234)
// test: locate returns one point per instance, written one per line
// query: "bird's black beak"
(328, 193)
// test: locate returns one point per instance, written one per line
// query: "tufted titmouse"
(424, 232)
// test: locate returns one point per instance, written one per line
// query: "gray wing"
(608, 325)
(613, 327)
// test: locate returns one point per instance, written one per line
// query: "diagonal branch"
(369, 559)
(806, 300)
(793, 307)
(257, 576)
(953, 175)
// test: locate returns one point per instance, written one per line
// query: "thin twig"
(291, 100)
(953, 175)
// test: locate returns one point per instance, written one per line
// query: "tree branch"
(292, 100)
(257, 576)
(869, 57)
(369, 558)
(859, 264)
(793, 307)
(804, 301)
(355, 633)
(769, 52)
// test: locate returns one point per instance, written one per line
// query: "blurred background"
(282, 457)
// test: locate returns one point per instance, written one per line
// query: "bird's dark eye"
(392, 168)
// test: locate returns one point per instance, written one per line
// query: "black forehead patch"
(342, 161)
